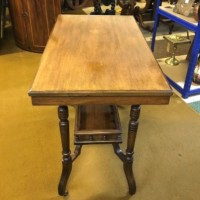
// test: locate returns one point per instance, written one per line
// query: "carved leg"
(67, 160)
(112, 10)
(133, 125)
(112, 7)
(97, 8)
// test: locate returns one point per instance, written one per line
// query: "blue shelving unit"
(188, 23)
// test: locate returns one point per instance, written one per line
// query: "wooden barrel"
(32, 22)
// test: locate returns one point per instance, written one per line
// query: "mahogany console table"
(97, 62)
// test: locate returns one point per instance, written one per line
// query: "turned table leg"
(66, 154)
(126, 158)
(128, 162)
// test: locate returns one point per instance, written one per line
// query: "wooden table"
(98, 60)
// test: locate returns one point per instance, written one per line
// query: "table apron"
(138, 100)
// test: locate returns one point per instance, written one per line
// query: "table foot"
(66, 170)
(130, 177)
(127, 164)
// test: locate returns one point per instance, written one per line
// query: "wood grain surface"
(97, 56)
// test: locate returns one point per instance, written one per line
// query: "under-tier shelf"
(97, 124)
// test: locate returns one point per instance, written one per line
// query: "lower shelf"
(97, 124)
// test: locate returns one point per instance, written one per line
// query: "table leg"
(128, 162)
(66, 153)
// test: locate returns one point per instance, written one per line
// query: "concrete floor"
(167, 150)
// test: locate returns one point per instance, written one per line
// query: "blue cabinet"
(189, 23)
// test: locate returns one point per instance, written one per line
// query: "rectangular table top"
(92, 59)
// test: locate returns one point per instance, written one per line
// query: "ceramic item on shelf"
(196, 12)
(196, 76)
(184, 7)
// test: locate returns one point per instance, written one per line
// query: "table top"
(92, 59)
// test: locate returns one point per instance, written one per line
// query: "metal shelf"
(188, 23)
